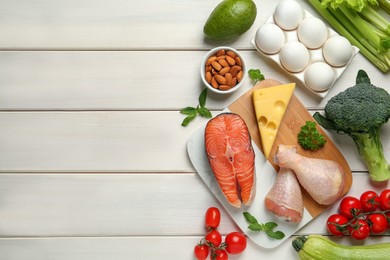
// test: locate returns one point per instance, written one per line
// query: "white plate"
(265, 177)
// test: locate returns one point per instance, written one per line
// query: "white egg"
(319, 76)
(270, 38)
(337, 51)
(288, 14)
(294, 56)
(312, 32)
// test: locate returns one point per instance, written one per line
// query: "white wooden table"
(93, 157)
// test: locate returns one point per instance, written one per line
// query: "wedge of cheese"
(270, 105)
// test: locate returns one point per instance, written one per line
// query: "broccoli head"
(360, 112)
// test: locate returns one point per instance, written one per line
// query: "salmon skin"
(231, 157)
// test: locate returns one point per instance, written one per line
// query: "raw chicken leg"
(322, 179)
(285, 197)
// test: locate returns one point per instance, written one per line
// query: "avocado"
(230, 19)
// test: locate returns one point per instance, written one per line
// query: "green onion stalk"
(366, 29)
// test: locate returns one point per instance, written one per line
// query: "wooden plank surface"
(93, 162)
(113, 80)
(55, 205)
(112, 141)
(124, 248)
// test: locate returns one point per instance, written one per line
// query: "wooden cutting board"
(295, 116)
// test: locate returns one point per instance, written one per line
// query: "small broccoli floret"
(360, 111)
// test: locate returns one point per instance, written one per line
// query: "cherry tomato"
(220, 255)
(335, 225)
(359, 229)
(350, 207)
(235, 243)
(384, 199)
(378, 223)
(370, 201)
(201, 251)
(212, 218)
(214, 237)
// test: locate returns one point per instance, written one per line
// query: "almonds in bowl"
(223, 70)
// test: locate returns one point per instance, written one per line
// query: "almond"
(221, 57)
(228, 78)
(230, 60)
(220, 53)
(220, 79)
(238, 61)
(224, 87)
(224, 63)
(208, 77)
(208, 68)
(234, 70)
(239, 76)
(216, 65)
(234, 82)
(224, 71)
(211, 59)
(231, 54)
(214, 83)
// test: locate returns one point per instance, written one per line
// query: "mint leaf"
(202, 97)
(189, 111)
(188, 119)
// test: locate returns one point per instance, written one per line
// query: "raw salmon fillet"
(231, 157)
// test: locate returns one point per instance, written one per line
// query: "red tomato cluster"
(370, 214)
(235, 242)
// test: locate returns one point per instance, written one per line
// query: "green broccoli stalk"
(360, 112)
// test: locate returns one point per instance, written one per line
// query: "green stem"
(361, 25)
(376, 19)
(370, 148)
(385, 5)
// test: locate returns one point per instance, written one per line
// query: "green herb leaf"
(202, 97)
(276, 235)
(268, 227)
(255, 227)
(309, 138)
(188, 119)
(255, 75)
(251, 219)
(204, 112)
(189, 111)
(192, 112)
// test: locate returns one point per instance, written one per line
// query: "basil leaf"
(189, 111)
(202, 97)
(251, 219)
(270, 225)
(276, 235)
(255, 227)
(188, 119)
(204, 112)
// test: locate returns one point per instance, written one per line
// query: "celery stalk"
(345, 27)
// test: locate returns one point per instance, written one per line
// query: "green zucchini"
(317, 247)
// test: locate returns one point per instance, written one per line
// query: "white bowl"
(203, 70)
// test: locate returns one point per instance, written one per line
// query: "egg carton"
(315, 56)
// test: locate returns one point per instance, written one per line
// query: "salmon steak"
(231, 157)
